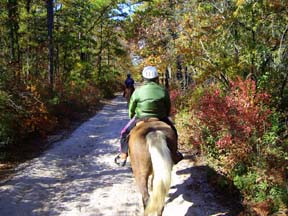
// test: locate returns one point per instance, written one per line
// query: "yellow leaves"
(236, 12)
(100, 3)
(31, 88)
(187, 21)
(240, 2)
(153, 60)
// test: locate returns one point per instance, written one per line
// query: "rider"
(149, 100)
(129, 83)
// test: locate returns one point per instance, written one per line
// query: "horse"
(150, 143)
(128, 92)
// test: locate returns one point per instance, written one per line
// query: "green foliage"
(54, 101)
(89, 59)
(271, 135)
(239, 169)
(109, 83)
(252, 185)
(257, 189)
(7, 118)
(209, 148)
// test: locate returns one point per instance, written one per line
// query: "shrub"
(240, 135)
(7, 117)
(235, 120)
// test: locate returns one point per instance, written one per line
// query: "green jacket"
(150, 100)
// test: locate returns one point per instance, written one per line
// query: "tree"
(50, 22)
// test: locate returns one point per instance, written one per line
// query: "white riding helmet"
(150, 72)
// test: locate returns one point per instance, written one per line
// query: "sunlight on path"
(77, 176)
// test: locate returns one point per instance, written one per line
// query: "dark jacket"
(129, 82)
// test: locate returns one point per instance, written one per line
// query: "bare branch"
(281, 42)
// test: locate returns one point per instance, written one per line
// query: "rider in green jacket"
(149, 100)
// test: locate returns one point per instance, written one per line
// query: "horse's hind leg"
(142, 183)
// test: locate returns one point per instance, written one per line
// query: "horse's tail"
(162, 166)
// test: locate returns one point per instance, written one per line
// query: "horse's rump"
(137, 138)
(149, 153)
(152, 124)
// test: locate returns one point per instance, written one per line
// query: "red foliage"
(235, 117)
(224, 141)
(174, 95)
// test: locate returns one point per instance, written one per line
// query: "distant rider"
(129, 83)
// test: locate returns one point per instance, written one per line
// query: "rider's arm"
(168, 102)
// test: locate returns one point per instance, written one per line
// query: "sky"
(127, 9)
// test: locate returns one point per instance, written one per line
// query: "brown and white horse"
(150, 155)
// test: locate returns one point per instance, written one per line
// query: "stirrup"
(119, 161)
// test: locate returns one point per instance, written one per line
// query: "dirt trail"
(77, 177)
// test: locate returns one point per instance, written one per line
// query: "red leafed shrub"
(236, 117)
(174, 95)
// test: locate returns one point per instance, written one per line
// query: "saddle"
(148, 119)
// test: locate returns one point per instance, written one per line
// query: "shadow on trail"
(71, 170)
(32, 203)
(204, 199)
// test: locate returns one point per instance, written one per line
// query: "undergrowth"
(242, 136)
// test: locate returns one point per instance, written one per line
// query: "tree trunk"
(100, 51)
(28, 2)
(50, 20)
(13, 26)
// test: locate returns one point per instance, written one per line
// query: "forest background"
(224, 61)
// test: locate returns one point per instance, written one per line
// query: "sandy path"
(77, 177)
